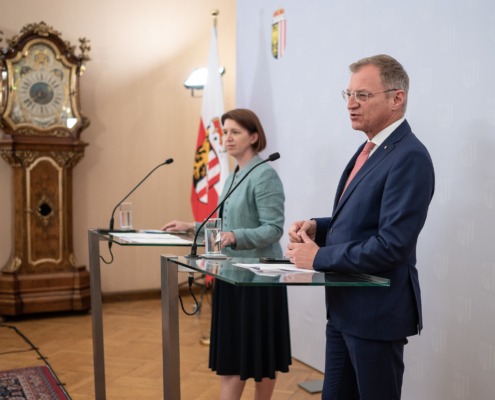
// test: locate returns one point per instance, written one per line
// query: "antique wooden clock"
(41, 124)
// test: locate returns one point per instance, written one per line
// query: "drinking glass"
(213, 236)
(125, 215)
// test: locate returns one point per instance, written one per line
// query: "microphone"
(194, 246)
(110, 229)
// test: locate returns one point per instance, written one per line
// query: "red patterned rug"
(33, 383)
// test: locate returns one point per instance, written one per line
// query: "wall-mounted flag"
(279, 29)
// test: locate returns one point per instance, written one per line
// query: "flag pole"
(214, 14)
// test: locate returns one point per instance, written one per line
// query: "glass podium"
(236, 271)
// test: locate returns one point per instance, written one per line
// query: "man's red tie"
(363, 156)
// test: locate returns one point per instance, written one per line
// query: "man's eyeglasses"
(361, 97)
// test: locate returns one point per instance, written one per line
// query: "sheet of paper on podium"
(280, 268)
(150, 238)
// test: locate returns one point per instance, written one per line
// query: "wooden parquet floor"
(133, 361)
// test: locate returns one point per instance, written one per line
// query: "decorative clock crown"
(44, 30)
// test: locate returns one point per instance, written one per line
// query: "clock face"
(41, 85)
(42, 93)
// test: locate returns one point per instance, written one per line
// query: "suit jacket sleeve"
(377, 227)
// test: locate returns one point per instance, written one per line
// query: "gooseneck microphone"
(111, 229)
(194, 246)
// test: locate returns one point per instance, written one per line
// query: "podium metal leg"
(96, 315)
(170, 329)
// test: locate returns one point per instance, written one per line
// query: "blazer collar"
(250, 164)
(378, 155)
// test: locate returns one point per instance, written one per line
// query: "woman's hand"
(228, 239)
(174, 226)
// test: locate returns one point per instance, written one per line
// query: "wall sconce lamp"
(197, 79)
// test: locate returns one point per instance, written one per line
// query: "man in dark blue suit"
(378, 213)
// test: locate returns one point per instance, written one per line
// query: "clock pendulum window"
(41, 122)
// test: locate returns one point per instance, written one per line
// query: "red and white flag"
(211, 164)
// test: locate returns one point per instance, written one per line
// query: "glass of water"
(125, 214)
(213, 236)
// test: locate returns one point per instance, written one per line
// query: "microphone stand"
(194, 246)
(110, 229)
(111, 225)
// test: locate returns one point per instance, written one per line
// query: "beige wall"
(140, 113)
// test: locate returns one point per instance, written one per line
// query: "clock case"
(42, 273)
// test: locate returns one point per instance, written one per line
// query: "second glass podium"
(236, 271)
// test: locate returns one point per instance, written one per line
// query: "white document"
(265, 267)
(150, 238)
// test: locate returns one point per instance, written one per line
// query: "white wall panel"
(447, 47)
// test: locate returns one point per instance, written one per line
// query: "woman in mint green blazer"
(250, 325)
